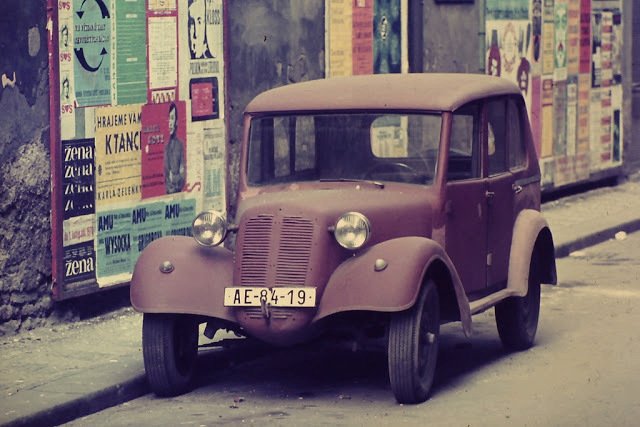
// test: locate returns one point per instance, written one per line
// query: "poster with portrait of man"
(164, 148)
(205, 29)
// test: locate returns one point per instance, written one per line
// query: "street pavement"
(54, 374)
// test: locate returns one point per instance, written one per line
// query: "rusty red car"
(370, 209)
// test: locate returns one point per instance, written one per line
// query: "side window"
(496, 136)
(464, 155)
(517, 153)
(281, 134)
(305, 143)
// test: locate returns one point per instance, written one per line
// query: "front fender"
(356, 285)
(195, 286)
(530, 229)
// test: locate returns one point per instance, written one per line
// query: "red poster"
(164, 161)
(585, 37)
(362, 37)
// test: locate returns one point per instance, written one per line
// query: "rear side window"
(517, 152)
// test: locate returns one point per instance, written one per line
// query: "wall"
(25, 257)
(271, 43)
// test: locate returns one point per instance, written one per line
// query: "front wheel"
(413, 347)
(517, 317)
(170, 351)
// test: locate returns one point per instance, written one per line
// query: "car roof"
(428, 91)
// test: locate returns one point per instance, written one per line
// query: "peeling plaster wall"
(271, 43)
(25, 255)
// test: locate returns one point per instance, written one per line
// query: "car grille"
(290, 251)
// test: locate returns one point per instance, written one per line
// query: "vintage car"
(370, 209)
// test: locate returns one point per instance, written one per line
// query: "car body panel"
(194, 286)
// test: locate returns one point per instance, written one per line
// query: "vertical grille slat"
(294, 251)
(255, 255)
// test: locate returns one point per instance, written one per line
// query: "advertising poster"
(548, 37)
(205, 31)
(79, 263)
(387, 37)
(595, 130)
(605, 127)
(547, 117)
(214, 168)
(536, 38)
(78, 177)
(113, 246)
(560, 117)
(616, 123)
(66, 64)
(573, 37)
(365, 37)
(79, 256)
(582, 157)
(606, 48)
(340, 24)
(162, 58)
(560, 40)
(585, 37)
(616, 46)
(146, 226)
(92, 52)
(130, 64)
(362, 37)
(163, 153)
(596, 49)
(117, 155)
(204, 96)
(178, 217)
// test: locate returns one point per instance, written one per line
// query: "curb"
(564, 249)
(87, 404)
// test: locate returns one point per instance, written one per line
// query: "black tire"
(413, 347)
(170, 352)
(517, 317)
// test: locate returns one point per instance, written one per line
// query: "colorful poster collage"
(569, 73)
(142, 131)
(366, 37)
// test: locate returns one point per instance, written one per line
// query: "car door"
(500, 192)
(465, 201)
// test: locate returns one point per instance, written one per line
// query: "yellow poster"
(340, 25)
(117, 154)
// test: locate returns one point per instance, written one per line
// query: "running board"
(489, 301)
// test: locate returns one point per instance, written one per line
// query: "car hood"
(401, 211)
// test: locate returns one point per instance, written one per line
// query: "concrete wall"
(25, 256)
(271, 43)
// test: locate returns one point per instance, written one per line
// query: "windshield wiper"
(368, 181)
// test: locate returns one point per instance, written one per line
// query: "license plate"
(250, 296)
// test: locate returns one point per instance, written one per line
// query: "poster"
(92, 52)
(163, 156)
(113, 246)
(362, 37)
(79, 263)
(162, 58)
(214, 168)
(78, 178)
(573, 37)
(560, 40)
(130, 67)
(147, 223)
(366, 36)
(117, 155)
(204, 96)
(178, 217)
(387, 51)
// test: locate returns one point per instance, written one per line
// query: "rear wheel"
(517, 317)
(170, 351)
(413, 347)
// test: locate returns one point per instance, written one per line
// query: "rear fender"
(356, 285)
(531, 232)
(194, 286)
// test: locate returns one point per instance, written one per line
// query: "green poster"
(131, 52)
(178, 217)
(113, 247)
(146, 226)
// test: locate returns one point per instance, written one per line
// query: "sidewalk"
(51, 375)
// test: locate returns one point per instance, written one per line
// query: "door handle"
(517, 188)
(489, 194)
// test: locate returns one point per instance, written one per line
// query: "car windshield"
(363, 146)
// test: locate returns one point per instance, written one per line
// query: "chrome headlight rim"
(209, 228)
(353, 222)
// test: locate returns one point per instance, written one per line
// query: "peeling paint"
(6, 81)
(34, 41)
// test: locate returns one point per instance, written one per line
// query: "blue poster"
(91, 52)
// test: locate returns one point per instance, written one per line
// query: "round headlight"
(209, 228)
(352, 230)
